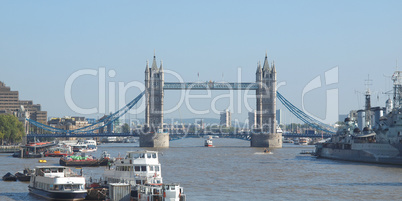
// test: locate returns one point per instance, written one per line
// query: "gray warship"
(372, 135)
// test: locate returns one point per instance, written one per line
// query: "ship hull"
(366, 156)
(58, 195)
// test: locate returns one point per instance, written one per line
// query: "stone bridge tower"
(153, 135)
(265, 133)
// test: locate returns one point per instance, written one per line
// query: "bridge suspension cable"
(97, 125)
(304, 117)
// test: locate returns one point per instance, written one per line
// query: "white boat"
(303, 141)
(86, 146)
(142, 170)
(208, 143)
(90, 142)
(57, 183)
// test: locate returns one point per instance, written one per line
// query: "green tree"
(125, 128)
(11, 130)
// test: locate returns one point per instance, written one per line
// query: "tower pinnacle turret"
(161, 68)
(266, 64)
(154, 68)
(147, 67)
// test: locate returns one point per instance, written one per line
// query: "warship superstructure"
(374, 135)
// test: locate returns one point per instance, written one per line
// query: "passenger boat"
(142, 170)
(9, 177)
(57, 183)
(86, 146)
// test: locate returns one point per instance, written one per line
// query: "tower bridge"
(265, 87)
(264, 135)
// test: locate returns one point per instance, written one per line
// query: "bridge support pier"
(273, 140)
(157, 140)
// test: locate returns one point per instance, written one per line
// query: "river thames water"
(232, 170)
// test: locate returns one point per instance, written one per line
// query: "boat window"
(67, 187)
(54, 170)
(157, 168)
(172, 188)
(60, 169)
(149, 155)
(138, 181)
(143, 168)
(137, 168)
(151, 168)
(56, 187)
(142, 155)
(154, 155)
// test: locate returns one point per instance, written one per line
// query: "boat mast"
(397, 79)
(367, 107)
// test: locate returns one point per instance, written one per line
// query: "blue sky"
(43, 42)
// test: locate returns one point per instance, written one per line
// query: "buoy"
(42, 161)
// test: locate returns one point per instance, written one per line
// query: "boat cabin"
(137, 168)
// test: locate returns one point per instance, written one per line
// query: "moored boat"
(63, 150)
(369, 138)
(9, 177)
(24, 175)
(57, 183)
(85, 161)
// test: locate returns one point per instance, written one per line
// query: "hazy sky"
(43, 43)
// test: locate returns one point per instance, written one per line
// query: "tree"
(11, 130)
(125, 128)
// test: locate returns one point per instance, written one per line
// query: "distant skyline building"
(68, 123)
(10, 104)
(279, 116)
(226, 118)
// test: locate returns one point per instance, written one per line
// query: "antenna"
(368, 83)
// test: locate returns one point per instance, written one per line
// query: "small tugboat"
(142, 170)
(208, 142)
(9, 177)
(57, 183)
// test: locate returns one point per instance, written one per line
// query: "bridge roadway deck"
(210, 86)
(173, 135)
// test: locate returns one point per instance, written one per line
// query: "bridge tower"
(265, 134)
(153, 135)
